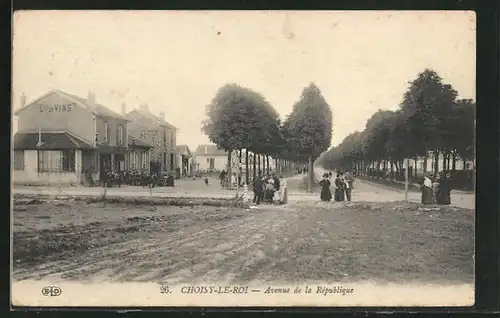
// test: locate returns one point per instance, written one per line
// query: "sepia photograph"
(243, 158)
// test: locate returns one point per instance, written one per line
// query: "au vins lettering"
(61, 108)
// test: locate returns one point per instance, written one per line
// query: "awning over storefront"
(49, 140)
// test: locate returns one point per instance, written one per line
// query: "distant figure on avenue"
(349, 181)
(277, 182)
(326, 195)
(269, 191)
(205, 178)
(258, 189)
(233, 180)
(436, 181)
(339, 188)
(222, 177)
(283, 191)
(426, 189)
(443, 190)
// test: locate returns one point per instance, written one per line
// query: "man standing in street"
(349, 181)
(258, 189)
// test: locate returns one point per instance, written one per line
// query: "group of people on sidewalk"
(342, 186)
(269, 189)
(436, 189)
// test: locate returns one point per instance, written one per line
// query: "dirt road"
(308, 241)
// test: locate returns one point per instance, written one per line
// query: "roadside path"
(363, 191)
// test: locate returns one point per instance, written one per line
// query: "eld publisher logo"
(52, 291)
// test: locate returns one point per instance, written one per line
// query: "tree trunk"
(436, 161)
(415, 166)
(246, 167)
(267, 164)
(259, 172)
(254, 165)
(264, 165)
(229, 169)
(310, 177)
(392, 169)
(425, 163)
(443, 164)
(276, 166)
(454, 162)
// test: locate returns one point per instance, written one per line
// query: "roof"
(209, 150)
(154, 118)
(50, 140)
(97, 109)
(183, 149)
(135, 142)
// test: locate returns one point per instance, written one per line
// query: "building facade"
(61, 137)
(154, 131)
(209, 158)
(184, 159)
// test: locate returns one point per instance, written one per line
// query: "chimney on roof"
(206, 148)
(144, 107)
(91, 98)
(162, 115)
(23, 100)
(124, 109)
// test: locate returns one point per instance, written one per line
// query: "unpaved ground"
(388, 242)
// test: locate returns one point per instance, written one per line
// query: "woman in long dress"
(326, 195)
(283, 191)
(339, 188)
(426, 189)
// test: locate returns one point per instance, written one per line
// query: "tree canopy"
(309, 126)
(429, 118)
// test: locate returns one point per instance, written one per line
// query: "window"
(106, 132)
(56, 161)
(18, 159)
(120, 135)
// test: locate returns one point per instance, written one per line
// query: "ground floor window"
(56, 161)
(18, 159)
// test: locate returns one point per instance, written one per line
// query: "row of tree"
(239, 118)
(430, 120)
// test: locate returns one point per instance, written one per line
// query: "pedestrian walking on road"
(436, 194)
(444, 189)
(426, 189)
(339, 188)
(349, 181)
(326, 195)
(258, 190)
(283, 191)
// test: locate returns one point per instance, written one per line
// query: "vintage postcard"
(243, 158)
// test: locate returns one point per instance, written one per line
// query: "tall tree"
(238, 118)
(309, 127)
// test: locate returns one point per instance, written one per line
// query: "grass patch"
(33, 199)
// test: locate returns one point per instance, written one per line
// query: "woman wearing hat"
(326, 195)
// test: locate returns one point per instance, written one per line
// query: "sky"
(175, 61)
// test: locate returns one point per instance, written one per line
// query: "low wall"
(26, 177)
